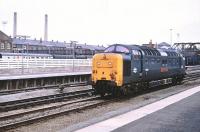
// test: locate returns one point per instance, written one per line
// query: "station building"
(5, 43)
(59, 50)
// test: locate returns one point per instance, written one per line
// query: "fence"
(43, 63)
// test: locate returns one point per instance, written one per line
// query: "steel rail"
(16, 104)
(73, 109)
(87, 103)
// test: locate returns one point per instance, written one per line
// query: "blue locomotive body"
(141, 65)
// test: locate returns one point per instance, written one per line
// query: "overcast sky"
(104, 21)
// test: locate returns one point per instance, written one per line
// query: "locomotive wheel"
(147, 85)
(174, 80)
(144, 86)
(115, 92)
(179, 80)
(124, 91)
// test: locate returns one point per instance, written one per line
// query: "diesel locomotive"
(123, 68)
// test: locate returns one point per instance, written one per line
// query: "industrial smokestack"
(46, 28)
(15, 25)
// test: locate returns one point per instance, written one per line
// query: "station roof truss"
(187, 46)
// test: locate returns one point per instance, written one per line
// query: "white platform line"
(121, 120)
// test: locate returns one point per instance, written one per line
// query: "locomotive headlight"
(135, 70)
(109, 63)
(182, 66)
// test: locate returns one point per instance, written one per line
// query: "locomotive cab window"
(122, 49)
(110, 49)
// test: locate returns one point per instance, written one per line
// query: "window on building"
(8, 46)
(2, 46)
(24, 46)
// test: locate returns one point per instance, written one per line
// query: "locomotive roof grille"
(120, 48)
(150, 51)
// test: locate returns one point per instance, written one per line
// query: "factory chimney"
(46, 28)
(15, 25)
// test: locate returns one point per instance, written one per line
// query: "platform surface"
(177, 113)
(183, 116)
(29, 76)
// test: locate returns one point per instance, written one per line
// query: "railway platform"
(179, 112)
(41, 75)
(12, 82)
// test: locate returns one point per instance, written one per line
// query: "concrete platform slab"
(29, 76)
(120, 122)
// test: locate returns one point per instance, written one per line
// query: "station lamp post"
(22, 51)
(73, 44)
(171, 36)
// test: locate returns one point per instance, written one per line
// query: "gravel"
(76, 120)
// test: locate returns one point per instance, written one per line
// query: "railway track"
(63, 106)
(30, 116)
(192, 77)
(193, 73)
(191, 68)
(30, 102)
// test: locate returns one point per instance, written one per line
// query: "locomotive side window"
(122, 49)
(110, 49)
(174, 62)
(136, 54)
(170, 62)
(153, 61)
(177, 62)
(146, 61)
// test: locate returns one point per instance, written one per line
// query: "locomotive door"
(136, 64)
(141, 64)
(126, 68)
